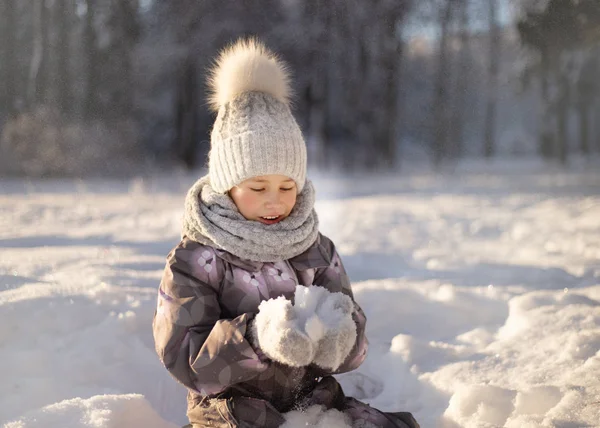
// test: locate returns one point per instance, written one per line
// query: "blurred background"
(117, 87)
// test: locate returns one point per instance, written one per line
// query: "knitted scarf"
(213, 219)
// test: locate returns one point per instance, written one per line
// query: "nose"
(273, 200)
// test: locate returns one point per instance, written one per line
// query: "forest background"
(117, 87)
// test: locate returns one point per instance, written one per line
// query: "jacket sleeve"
(199, 349)
(335, 279)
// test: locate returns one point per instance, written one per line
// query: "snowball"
(307, 300)
(315, 328)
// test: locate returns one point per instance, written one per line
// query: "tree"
(369, 58)
(557, 33)
(9, 68)
(38, 69)
(123, 30)
(441, 104)
(186, 114)
(62, 74)
(391, 13)
(494, 58)
(587, 92)
(317, 17)
(91, 61)
(461, 82)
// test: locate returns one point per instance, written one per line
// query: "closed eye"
(287, 190)
(257, 190)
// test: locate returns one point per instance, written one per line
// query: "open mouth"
(272, 219)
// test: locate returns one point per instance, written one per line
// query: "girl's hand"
(327, 320)
(338, 331)
(276, 331)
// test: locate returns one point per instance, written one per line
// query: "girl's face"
(266, 198)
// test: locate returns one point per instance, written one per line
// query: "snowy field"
(481, 288)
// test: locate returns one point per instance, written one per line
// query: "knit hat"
(254, 132)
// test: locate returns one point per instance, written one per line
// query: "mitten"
(276, 331)
(338, 331)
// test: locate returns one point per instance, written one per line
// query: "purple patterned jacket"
(206, 299)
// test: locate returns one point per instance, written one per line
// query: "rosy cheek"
(249, 201)
(254, 199)
(290, 202)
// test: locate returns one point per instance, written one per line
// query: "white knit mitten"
(327, 319)
(276, 331)
(339, 331)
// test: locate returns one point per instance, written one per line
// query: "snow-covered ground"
(481, 288)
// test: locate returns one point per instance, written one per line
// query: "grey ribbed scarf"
(213, 219)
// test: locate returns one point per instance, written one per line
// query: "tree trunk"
(126, 24)
(316, 15)
(36, 87)
(91, 66)
(63, 86)
(186, 111)
(596, 113)
(587, 90)
(440, 113)
(392, 54)
(9, 80)
(462, 78)
(547, 129)
(490, 113)
(584, 128)
(363, 108)
(563, 118)
(355, 93)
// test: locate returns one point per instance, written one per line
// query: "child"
(225, 326)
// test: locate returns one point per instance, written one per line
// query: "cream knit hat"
(255, 132)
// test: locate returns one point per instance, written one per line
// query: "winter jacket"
(206, 301)
(208, 297)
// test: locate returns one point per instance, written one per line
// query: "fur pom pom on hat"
(248, 66)
(254, 132)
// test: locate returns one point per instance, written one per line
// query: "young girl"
(255, 311)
